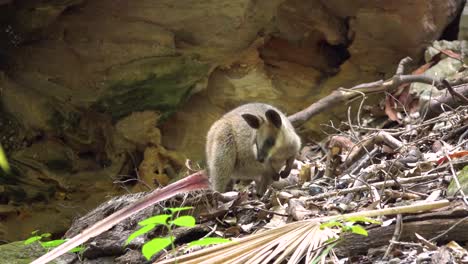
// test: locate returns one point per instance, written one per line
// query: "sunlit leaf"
(357, 229)
(330, 224)
(77, 249)
(46, 235)
(32, 240)
(332, 239)
(155, 245)
(145, 229)
(362, 219)
(324, 253)
(208, 241)
(53, 243)
(186, 220)
(462, 177)
(58, 242)
(157, 220)
(34, 232)
(347, 228)
(3, 161)
(178, 209)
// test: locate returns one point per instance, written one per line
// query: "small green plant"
(348, 225)
(167, 220)
(344, 225)
(3, 161)
(48, 244)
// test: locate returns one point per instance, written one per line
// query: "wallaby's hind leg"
(221, 156)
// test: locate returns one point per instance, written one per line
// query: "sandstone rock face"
(70, 70)
(463, 34)
(313, 48)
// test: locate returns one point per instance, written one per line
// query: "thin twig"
(376, 185)
(396, 235)
(453, 92)
(401, 66)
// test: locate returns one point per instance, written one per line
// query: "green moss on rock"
(18, 253)
(160, 83)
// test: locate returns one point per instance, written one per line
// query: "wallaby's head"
(266, 133)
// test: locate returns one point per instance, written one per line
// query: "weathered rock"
(358, 41)
(447, 67)
(463, 34)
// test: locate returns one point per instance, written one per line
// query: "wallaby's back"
(231, 141)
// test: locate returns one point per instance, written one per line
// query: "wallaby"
(251, 142)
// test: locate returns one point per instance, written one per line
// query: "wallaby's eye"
(269, 142)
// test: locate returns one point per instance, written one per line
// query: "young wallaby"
(251, 142)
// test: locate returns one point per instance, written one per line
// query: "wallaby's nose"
(260, 159)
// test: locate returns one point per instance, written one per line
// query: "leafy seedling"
(155, 245)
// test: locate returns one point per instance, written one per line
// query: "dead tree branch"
(342, 95)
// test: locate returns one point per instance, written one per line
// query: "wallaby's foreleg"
(287, 170)
(274, 174)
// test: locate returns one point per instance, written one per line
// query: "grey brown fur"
(237, 146)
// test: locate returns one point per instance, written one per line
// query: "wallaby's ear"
(253, 121)
(273, 117)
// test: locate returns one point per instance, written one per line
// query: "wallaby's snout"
(261, 157)
(265, 144)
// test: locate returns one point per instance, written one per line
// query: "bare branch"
(401, 66)
(342, 95)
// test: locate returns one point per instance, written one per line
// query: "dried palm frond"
(291, 242)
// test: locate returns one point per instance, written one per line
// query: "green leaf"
(347, 228)
(53, 243)
(155, 220)
(3, 161)
(32, 240)
(330, 224)
(58, 242)
(46, 235)
(332, 239)
(145, 229)
(208, 241)
(452, 189)
(34, 232)
(77, 249)
(186, 220)
(178, 209)
(324, 253)
(155, 245)
(357, 229)
(362, 219)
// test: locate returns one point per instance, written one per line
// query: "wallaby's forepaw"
(285, 173)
